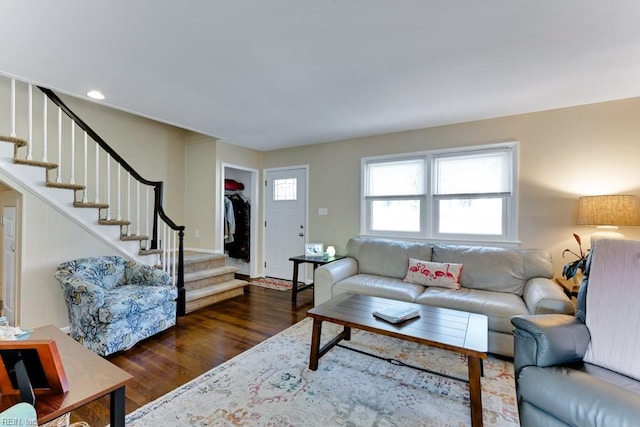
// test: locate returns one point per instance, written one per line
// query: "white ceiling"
(269, 74)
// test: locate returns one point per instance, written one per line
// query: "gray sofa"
(499, 283)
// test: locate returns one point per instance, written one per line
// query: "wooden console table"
(89, 376)
(316, 261)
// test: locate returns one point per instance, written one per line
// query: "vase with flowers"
(574, 270)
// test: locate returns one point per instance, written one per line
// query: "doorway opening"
(285, 207)
(10, 201)
(239, 216)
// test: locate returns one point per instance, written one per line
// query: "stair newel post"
(45, 127)
(182, 295)
(30, 122)
(72, 174)
(59, 169)
(157, 203)
(13, 108)
(84, 170)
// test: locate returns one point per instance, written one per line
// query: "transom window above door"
(463, 194)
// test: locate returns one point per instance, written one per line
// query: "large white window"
(462, 194)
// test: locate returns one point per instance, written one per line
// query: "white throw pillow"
(613, 296)
(441, 274)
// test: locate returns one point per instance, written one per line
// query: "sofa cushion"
(499, 307)
(486, 268)
(440, 274)
(378, 286)
(384, 257)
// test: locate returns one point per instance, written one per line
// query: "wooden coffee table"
(457, 331)
(89, 376)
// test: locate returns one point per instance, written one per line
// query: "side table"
(89, 376)
(316, 261)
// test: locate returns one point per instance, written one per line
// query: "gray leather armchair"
(555, 386)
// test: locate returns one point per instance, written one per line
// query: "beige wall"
(564, 154)
(199, 192)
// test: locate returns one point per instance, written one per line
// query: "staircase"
(208, 280)
(124, 200)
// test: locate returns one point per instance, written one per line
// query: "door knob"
(301, 234)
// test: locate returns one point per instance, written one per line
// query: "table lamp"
(607, 213)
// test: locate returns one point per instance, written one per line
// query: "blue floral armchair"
(114, 303)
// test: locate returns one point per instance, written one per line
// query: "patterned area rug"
(270, 283)
(271, 385)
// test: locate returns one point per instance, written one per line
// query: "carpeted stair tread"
(201, 261)
(113, 222)
(14, 139)
(90, 205)
(65, 185)
(134, 237)
(198, 258)
(196, 294)
(213, 272)
(37, 163)
(150, 251)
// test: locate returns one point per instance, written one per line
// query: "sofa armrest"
(329, 274)
(547, 340)
(137, 273)
(543, 296)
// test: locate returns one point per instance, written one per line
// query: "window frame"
(429, 200)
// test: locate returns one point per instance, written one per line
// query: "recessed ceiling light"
(95, 94)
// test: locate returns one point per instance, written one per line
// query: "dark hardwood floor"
(200, 341)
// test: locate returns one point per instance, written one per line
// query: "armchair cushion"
(106, 272)
(577, 396)
(131, 300)
(136, 273)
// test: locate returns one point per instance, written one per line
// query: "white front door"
(285, 220)
(9, 263)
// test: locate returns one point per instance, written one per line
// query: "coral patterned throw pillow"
(444, 275)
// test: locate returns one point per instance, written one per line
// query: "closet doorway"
(240, 219)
